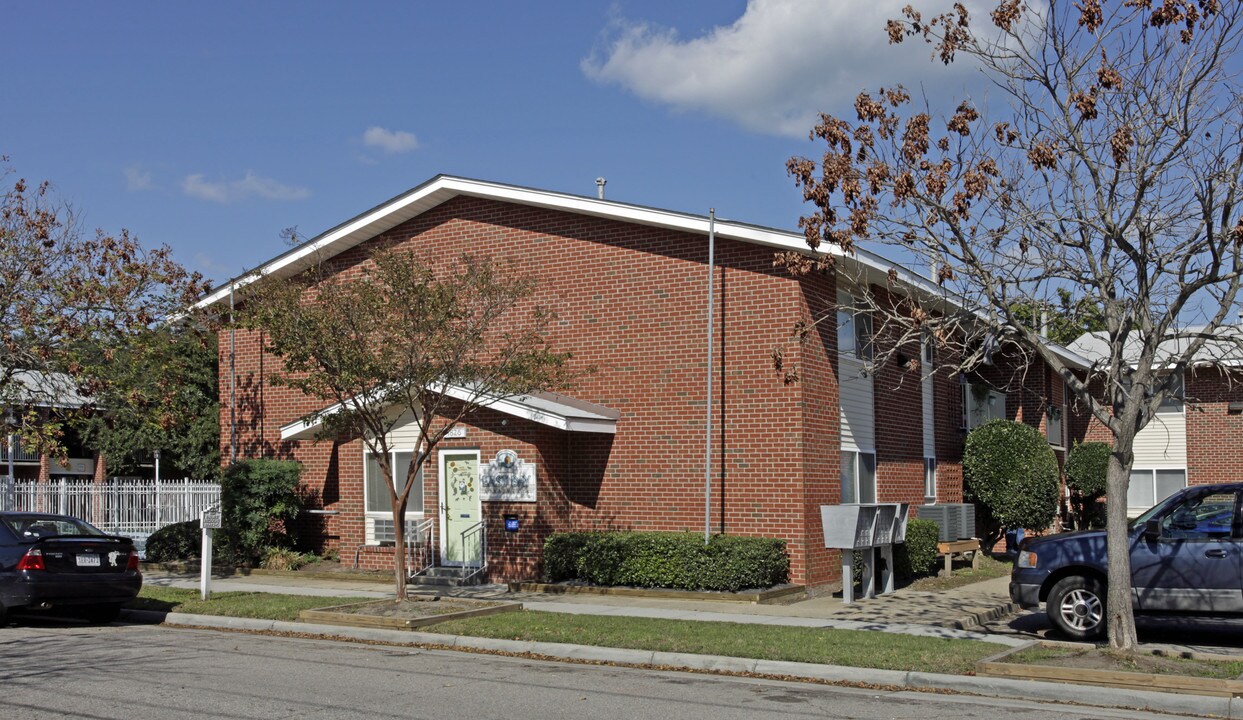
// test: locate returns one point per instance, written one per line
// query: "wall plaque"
(507, 478)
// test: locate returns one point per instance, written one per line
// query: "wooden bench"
(959, 548)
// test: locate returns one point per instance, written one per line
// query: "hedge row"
(667, 560)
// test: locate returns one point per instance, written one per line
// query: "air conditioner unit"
(380, 532)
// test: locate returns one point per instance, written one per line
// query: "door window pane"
(1201, 518)
(1140, 494)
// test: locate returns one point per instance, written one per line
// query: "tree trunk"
(1120, 617)
(399, 547)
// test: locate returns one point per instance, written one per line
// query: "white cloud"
(391, 142)
(251, 185)
(777, 66)
(137, 179)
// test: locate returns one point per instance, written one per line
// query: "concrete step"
(444, 577)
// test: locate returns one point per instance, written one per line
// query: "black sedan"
(60, 563)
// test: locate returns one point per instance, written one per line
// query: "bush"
(1011, 470)
(259, 501)
(918, 555)
(179, 541)
(668, 560)
(285, 559)
(1087, 473)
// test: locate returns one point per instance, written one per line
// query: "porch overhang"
(546, 408)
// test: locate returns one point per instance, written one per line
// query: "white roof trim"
(443, 188)
(549, 409)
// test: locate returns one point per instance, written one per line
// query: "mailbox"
(848, 527)
(882, 531)
(899, 522)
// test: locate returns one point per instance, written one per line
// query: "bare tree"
(403, 340)
(1105, 163)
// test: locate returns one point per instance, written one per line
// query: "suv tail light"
(132, 563)
(32, 560)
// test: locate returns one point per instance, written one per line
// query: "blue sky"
(209, 127)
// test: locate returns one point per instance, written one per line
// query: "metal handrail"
(419, 555)
(482, 531)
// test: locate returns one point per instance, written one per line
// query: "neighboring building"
(1194, 438)
(48, 394)
(626, 451)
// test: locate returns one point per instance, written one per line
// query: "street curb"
(991, 687)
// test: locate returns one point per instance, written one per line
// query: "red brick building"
(1194, 438)
(627, 451)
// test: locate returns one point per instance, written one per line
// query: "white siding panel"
(1163, 442)
(405, 434)
(858, 417)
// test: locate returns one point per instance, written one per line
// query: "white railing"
(20, 453)
(123, 506)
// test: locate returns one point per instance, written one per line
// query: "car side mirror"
(1152, 529)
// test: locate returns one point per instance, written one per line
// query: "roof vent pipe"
(1044, 323)
(600, 183)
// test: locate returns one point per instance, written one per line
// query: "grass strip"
(260, 605)
(1106, 659)
(855, 648)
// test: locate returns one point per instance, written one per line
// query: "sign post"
(209, 521)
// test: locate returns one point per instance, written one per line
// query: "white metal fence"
(123, 506)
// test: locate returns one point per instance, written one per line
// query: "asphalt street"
(132, 672)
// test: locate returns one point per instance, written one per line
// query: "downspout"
(711, 349)
(232, 382)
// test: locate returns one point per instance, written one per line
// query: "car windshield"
(35, 527)
(1151, 512)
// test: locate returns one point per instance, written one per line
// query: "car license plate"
(88, 561)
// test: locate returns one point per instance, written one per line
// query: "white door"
(460, 508)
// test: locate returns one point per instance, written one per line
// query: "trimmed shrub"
(668, 560)
(285, 559)
(561, 553)
(179, 541)
(1087, 473)
(1011, 470)
(918, 555)
(259, 501)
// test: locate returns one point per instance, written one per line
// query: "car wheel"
(103, 613)
(1076, 607)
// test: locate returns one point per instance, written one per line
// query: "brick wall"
(1214, 433)
(631, 304)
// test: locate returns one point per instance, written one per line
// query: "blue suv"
(1186, 557)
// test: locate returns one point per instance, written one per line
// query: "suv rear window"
(35, 527)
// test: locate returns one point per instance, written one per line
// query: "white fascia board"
(306, 428)
(443, 188)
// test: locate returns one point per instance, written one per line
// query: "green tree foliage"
(260, 499)
(436, 340)
(1087, 474)
(157, 392)
(1010, 469)
(1066, 319)
(65, 292)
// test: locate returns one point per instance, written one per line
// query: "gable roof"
(442, 188)
(1223, 349)
(546, 408)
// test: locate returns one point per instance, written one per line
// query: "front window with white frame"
(854, 331)
(1150, 486)
(858, 477)
(376, 494)
(981, 403)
